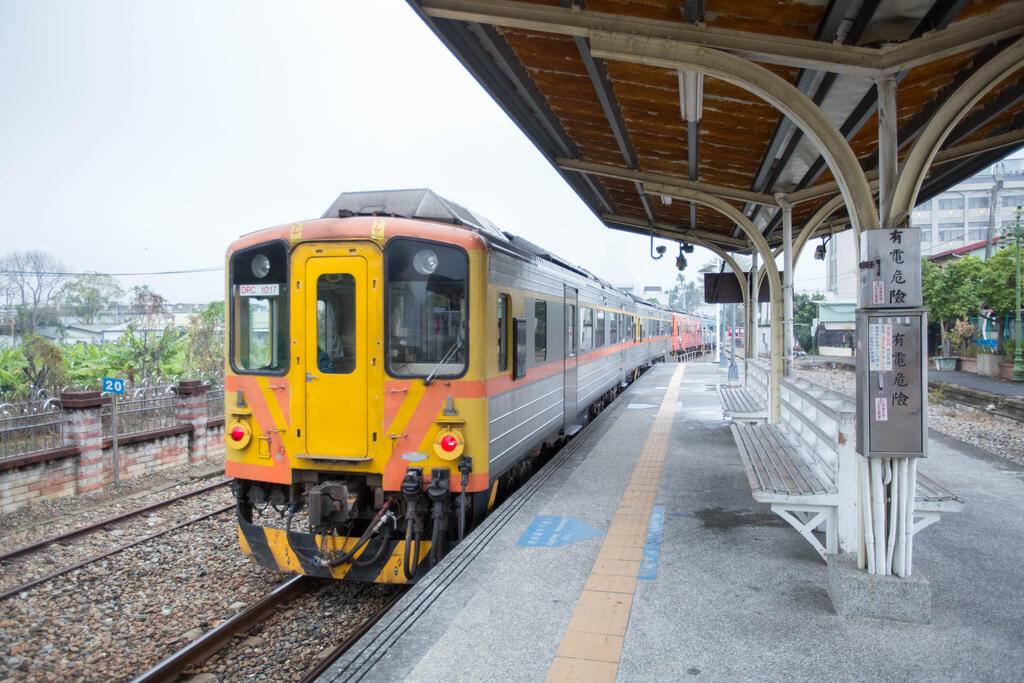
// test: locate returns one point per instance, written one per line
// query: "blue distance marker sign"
(113, 386)
(546, 531)
(652, 548)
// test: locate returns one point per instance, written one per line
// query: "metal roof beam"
(802, 53)
(910, 129)
(536, 118)
(723, 192)
(773, 163)
(613, 114)
(944, 120)
(1003, 143)
(1005, 22)
(639, 226)
(586, 23)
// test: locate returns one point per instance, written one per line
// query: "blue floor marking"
(546, 531)
(652, 548)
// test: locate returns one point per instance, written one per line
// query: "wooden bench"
(782, 475)
(741, 405)
(806, 468)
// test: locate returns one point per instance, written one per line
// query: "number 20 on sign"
(113, 386)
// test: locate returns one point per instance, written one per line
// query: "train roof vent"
(420, 203)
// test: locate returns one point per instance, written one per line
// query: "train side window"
(503, 311)
(336, 323)
(613, 328)
(587, 339)
(519, 342)
(540, 332)
(599, 330)
(570, 330)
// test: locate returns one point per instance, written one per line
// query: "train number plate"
(259, 290)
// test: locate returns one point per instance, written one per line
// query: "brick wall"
(86, 460)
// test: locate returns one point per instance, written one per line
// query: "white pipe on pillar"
(787, 280)
(878, 514)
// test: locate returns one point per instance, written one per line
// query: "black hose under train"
(319, 560)
(410, 570)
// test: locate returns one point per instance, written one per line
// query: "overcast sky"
(145, 136)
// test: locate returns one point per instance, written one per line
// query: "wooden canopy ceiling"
(625, 132)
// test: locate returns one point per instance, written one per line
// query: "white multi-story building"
(960, 216)
(957, 219)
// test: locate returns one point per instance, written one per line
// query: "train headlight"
(238, 435)
(260, 265)
(425, 261)
(449, 444)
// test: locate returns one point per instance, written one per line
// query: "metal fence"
(215, 402)
(141, 410)
(37, 425)
(29, 427)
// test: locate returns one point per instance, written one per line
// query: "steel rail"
(325, 662)
(24, 550)
(79, 565)
(212, 641)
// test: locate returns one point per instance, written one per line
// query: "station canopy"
(629, 102)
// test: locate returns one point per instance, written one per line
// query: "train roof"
(425, 204)
(421, 203)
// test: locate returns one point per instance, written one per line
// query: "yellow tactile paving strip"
(592, 644)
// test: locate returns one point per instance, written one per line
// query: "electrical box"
(890, 268)
(892, 383)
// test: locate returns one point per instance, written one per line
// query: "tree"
(84, 297)
(953, 293)
(204, 352)
(804, 312)
(32, 277)
(997, 288)
(149, 340)
(44, 364)
(686, 295)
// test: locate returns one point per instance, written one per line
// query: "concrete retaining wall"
(86, 460)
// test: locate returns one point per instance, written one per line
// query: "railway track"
(96, 558)
(81, 531)
(276, 602)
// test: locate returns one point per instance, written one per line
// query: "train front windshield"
(259, 309)
(427, 331)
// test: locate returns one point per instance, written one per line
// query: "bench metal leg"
(924, 519)
(806, 518)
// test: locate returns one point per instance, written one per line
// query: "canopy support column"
(887, 147)
(787, 281)
(749, 337)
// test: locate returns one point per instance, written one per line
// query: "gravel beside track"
(52, 517)
(25, 568)
(290, 642)
(120, 616)
(999, 436)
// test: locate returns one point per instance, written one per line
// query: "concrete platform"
(736, 593)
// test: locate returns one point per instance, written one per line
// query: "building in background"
(959, 218)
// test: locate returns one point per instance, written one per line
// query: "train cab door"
(571, 418)
(336, 298)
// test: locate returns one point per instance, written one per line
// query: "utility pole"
(997, 186)
(1018, 359)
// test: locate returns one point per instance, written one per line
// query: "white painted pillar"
(787, 281)
(887, 148)
(750, 338)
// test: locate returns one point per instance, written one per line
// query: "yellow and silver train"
(393, 365)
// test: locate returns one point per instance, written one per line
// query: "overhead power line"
(159, 272)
